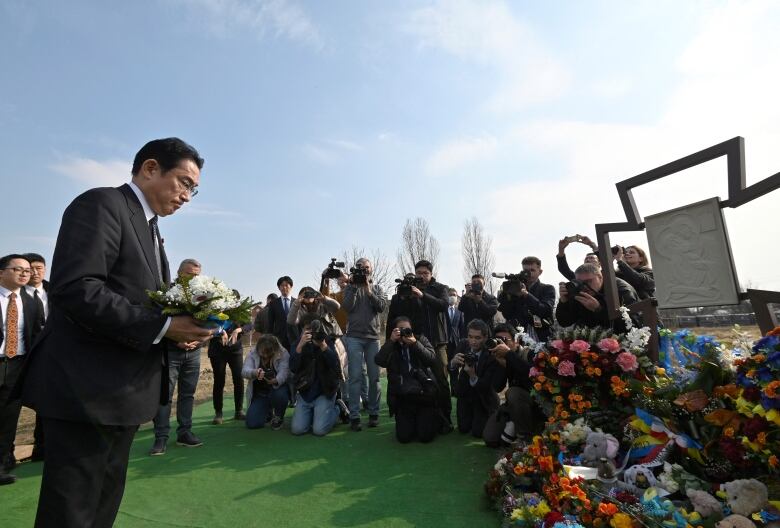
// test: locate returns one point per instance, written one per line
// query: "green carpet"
(242, 478)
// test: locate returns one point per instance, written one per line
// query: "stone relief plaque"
(691, 257)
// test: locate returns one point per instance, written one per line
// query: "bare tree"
(417, 243)
(477, 248)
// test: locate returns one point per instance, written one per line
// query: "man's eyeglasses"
(20, 271)
(191, 189)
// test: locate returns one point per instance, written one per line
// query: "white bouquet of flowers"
(206, 299)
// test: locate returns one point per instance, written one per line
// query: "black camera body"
(333, 271)
(470, 358)
(310, 294)
(492, 343)
(318, 333)
(358, 275)
(574, 287)
(406, 332)
(617, 249)
(262, 386)
(405, 285)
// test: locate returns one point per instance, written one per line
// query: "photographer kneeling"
(412, 387)
(480, 379)
(582, 300)
(316, 369)
(267, 368)
(518, 416)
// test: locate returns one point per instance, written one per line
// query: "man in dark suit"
(38, 288)
(456, 329)
(529, 304)
(278, 310)
(96, 373)
(18, 331)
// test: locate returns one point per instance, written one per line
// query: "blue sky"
(328, 124)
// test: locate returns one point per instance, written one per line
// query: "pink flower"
(557, 344)
(566, 368)
(579, 346)
(609, 345)
(534, 372)
(627, 361)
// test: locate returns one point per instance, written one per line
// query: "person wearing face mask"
(456, 328)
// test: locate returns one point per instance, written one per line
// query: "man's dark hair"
(168, 152)
(532, 260)
(286, 279)
(400, 319)
(4, 261)
(271, 297)
(306, 319)
(477, 276)
(479, 325)
(503, 327)
(424, 264)
(34, 257)
(588, 268)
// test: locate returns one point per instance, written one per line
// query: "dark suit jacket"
(427, 313)
(95, 361)
(521, 310)
(277, 321)
(32, 323)
(491, 380)
(456, 327)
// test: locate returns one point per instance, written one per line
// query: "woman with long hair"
(634, 268)
(266, 368)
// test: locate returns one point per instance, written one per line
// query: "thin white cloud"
(490, 34)
(611, 87)
(330, 151)
(108, 173)
(280, 18)
(456, 154)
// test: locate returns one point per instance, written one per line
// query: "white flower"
(636, 339)
(626, 318)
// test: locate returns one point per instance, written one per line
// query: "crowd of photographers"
(320, 353)
(438, 344)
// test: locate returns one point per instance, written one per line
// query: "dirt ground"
(203, 392)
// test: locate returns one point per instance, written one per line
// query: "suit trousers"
(9, 407)
(84, 473)
(471, 414)
(219, 363)
(416, 421)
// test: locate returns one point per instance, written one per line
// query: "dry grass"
(24, 434)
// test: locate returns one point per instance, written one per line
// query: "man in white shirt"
(38, 288)
(20, 326)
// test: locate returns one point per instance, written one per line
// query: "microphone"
(498, 275)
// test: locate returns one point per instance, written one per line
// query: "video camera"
(332, 271)
(358, 275)
(514, 283)
(405, 285)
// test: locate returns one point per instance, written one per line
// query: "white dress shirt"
(149, 214)
(4, 300)
(42, 295)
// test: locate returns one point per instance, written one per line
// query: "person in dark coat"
(634, 268)
(530, 305)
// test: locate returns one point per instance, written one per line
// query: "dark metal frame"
(739, 194)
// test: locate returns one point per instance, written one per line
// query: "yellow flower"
(660, 371)
(620, 520)
(222, 317)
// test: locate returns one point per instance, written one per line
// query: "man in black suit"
(38, 288)
(529, 303)
(278, 310)
(456, 329)
(98, 370)
(18, 331)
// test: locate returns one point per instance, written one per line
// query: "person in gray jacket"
(267, 368)
(364, 302)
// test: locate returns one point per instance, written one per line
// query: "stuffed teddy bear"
(599, 445)
(704, 503)
(746, 496)
(735, 521)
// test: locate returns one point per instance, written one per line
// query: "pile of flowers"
(709, 416)
(207, 299)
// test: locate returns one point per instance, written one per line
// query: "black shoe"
(187, 439)
(373, 420)
(6, 478)
(343, 411)
(276, 423)
(8, 463)
(218, 419)
(159, 447)
(355, 425)
(239, 415)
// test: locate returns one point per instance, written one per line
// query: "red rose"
(732, 450)
(553, 517)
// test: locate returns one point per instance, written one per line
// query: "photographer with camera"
(634, 268)
(364, 302)
(480, 378)
(527, 302)
(310, 301)
(518, 416)
(316, 370)
(476, 303)
(411, 385)
(266, 368)
(582, 300)
(590, 258)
